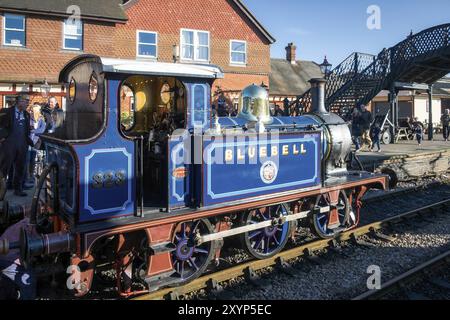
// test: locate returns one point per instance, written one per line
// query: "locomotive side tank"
(141, 176)
(336, 137)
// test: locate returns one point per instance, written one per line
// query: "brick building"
(38, 37)
(289, 78)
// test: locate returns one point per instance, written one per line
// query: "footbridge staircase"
(421, 58)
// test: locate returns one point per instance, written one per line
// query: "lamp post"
(45, 89)
(325, 67)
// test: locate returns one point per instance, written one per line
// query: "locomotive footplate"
(351, 177)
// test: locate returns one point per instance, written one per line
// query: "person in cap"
(14, 141)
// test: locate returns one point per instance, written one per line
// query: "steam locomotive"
(143, 177)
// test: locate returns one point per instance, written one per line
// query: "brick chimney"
(291, 53)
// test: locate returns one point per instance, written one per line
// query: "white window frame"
(195, 58)
(235, 63)
(197, 124)
(81, 35)
(20, 30)
(138, 43)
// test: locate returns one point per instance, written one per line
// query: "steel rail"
(297, 252)
(405, 278)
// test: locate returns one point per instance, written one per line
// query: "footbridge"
(416, 62)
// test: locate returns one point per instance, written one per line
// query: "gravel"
(344, 275)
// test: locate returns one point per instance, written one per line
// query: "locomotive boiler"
(141, 176)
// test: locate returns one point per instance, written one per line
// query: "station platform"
(409, 160)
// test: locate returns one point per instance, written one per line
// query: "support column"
(393, 111)
(430, 114)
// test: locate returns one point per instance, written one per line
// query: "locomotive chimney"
(318, 96)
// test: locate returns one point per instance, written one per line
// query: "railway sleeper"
(213, 287)
(252, 278)
(313, 257)
(360, 242)
(381, 236)
(285, 267)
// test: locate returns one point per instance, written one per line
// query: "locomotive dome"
(254, 104)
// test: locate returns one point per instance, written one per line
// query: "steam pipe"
(44, 244)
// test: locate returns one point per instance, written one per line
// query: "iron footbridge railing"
(423, 57)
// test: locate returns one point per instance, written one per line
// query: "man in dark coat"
(14, 141)
(48, 112)
(365, 121)
(445, 119)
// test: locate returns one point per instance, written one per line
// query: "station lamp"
(45, 89)
(175, 53)
(325, 67)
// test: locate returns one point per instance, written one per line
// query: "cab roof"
(142, 67)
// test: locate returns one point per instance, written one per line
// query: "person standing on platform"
(14, 145)
(278, 112)
(375, 135)
(365, 122)
(356, 128)
(445, 120)
(49, 111)
(37, 129)
(418, 130)
(286, 103)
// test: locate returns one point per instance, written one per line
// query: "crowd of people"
(362, 134)
(367, 132)
(20, 129)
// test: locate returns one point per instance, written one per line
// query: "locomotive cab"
(122, 121)
(151, 110)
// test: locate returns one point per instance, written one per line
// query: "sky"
(337, 28)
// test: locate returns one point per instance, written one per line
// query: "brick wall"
(222, 19)
(44, 57)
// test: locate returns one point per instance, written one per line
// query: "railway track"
(422, 274)
(211, 282)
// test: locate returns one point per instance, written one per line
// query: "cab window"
(151, 104)
(84, 115)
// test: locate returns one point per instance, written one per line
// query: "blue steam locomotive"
(141, 175)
